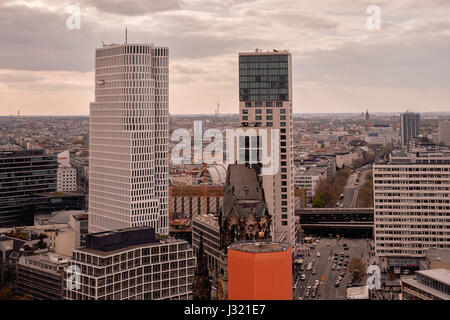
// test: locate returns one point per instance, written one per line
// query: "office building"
(265, 102)
(79, 223)
(128, 146)
(409, 126)
(131, 264)
(381, 134)
(444, 132)
(67, 179)
(24, 174)
(308, 178)
(412, 202)
(208, 227)
(41, 277)
(67, 176)
(431, 284)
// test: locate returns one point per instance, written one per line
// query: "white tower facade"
(128, 139)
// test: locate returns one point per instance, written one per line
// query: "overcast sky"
(339, 64)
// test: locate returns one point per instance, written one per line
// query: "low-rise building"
(131, 264)
(41, 276)
(431, 284)
(208, 227)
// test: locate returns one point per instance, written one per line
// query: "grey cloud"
(134, 7)
(35, 39)
(421, 64)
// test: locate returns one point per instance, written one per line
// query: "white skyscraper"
(128, 147)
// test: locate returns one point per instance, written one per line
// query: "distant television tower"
(218, 109)
(18, 113)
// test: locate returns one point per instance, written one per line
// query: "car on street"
(308, 288)
(328, 244)
(318, 254)
(314, 271)
(306, 293)
(303, 277)
(345, 248)
(337, 284)
(338, 268)
(347, 255)
(313, 294)
(333, 267)
(316, 283)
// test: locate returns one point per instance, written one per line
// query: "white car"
(318, 254)
(303, 277)
(328, 244)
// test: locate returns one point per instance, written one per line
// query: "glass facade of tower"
(24, 175)
(264, 78)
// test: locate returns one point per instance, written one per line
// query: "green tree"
(318, 201)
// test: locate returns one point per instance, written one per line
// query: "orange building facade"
(259, 271)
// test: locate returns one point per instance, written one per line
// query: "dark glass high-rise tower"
(410, 126)
(23, 175)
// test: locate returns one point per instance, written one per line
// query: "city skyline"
(340, 65)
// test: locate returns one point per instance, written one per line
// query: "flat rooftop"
(259, 247)
(441, 275)
(210, 220)
(442, 255)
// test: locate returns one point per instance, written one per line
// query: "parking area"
(322, 274)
